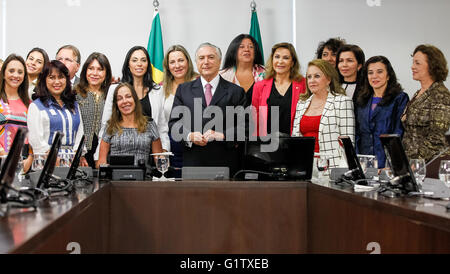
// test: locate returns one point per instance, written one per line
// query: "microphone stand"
(437, 156)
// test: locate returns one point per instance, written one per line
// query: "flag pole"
(253, 5)
(155, 46)
(254, 27)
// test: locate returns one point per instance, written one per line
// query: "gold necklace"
(97, 96)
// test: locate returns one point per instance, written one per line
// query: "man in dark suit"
(199, 114)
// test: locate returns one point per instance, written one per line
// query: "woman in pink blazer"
(278, 92)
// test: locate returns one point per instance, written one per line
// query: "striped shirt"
(132, 142)
(44, 121)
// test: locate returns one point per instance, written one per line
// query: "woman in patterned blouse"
(95, 79)
(129, 131)
(427, 118)
(244, 65)
(14, 100)
(55, 109)
(137, 71)
(324, 112)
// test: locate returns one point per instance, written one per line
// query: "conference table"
(231, 217)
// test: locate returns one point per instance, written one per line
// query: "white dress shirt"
(214, 83)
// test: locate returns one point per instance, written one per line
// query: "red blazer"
(261, 92)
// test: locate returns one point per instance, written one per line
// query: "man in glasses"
(70, 56)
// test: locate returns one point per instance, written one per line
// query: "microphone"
(397, 179)
(350, 173)
(440, 153)
(447, 139)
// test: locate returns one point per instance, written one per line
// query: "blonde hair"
(116, 116)
(294, 73)
(168, 77)
(330, 73)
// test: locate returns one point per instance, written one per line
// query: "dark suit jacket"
(385, 120)
(76, 81)
(215, 153)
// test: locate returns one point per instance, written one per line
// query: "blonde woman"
(178, 69)
(324, 111)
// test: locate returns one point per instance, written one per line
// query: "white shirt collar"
(214, 82)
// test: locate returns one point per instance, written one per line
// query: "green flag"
(255, 33)
(155, 49)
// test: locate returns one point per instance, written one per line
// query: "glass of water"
(65, 159)
(367, 162)
(162, 164)
(2, 160)
(419, 170)
(444, 172)
(322, 164)
(39, 161)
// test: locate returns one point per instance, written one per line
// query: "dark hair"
(23, 88)
(81, 88)
(41, 51)
(127, 77)
(74, 50)
(437, 64)
(294, 73)
(231, 55)
(333, 44)
(359, 55)
(393, 88)
(67, 96)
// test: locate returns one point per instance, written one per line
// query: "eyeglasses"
(65, 59)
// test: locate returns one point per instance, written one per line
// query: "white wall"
(114, 26)
(392, 29)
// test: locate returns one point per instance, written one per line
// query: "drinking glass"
(19, 170)
(367, 161)
(444, 172)
(65, 159)
(323, 163)
(38, 161)
(419, 170)
(162, 164)
(3, 160)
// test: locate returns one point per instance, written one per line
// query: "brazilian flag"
(255, 32)
(155, 49)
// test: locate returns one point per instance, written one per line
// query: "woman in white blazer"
(137, 71)
(325, 112)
